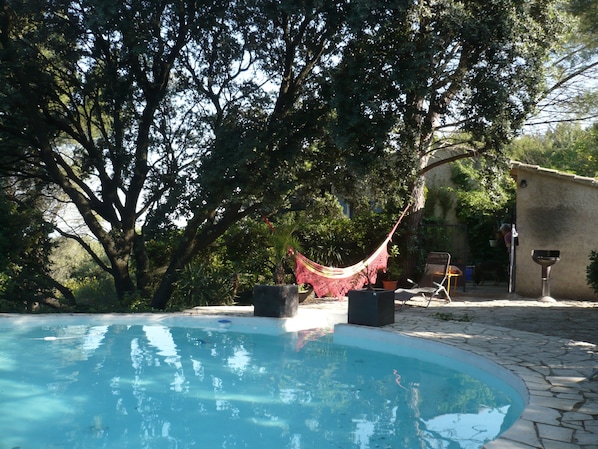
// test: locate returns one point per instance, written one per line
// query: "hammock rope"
(337, 282)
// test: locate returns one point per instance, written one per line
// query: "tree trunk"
(166, 288)
(142, 265)
(123, 283)
(409, 250)
(184, 252)
(67, 294)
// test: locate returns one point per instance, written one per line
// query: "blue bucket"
(469, 273)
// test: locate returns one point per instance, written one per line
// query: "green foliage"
(160, 247)
(450, 317)
(388, 92)
(369, 229)
(71, 262)
(592, 272)
(205, 283)
(568, 147)
(324, 230)
(245, 247)
(156, 127)
(485, 199)
(439, 199)
(282, 242)
(92, 287)
(343, 241)
(587, 13)
(94, 293)
(25, 247)
(533, 150)
(380, 184)
(329, 242)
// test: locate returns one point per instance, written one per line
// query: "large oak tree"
(146, 112)
(443, 80)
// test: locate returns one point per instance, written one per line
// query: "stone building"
(555, 211)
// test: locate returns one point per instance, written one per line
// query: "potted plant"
(390, 284)
(390, 279)
(371, 306)
(281, 299)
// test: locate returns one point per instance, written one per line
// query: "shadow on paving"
(493, 305)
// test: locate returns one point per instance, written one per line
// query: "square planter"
(371, 307)
(275, 301)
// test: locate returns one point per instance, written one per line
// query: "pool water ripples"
(153, 385)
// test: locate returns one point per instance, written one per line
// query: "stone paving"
(552, 347)
(562, 412)
(575, 320)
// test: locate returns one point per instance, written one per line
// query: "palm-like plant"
(283, 244)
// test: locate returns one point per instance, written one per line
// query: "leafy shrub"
(25, 246)
(592, 272)
(204, 284)
(327, 241)
(93, 293)
(485, 199)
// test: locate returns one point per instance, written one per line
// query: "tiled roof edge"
(555, 173)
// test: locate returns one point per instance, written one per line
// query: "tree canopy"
(568, 147)
(182, 111)
(25, 246)
(197, 114)
(570, 92)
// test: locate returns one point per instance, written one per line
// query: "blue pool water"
(72, 383)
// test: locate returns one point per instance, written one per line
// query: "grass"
(451, 317)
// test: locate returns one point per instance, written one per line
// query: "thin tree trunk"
(67, 294)
(142, 265)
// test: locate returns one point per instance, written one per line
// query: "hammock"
(337, 282)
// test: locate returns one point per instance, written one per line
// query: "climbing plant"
(485, 198)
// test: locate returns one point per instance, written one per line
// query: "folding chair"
(433, 282)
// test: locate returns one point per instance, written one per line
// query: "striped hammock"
(336, 282)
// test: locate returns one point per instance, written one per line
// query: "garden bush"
(205, 283)
(592, 272)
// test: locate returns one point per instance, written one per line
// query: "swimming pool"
(168, 382)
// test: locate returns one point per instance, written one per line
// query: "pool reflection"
(154, 386)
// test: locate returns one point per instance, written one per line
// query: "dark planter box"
(371, 307)
(276, 301)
